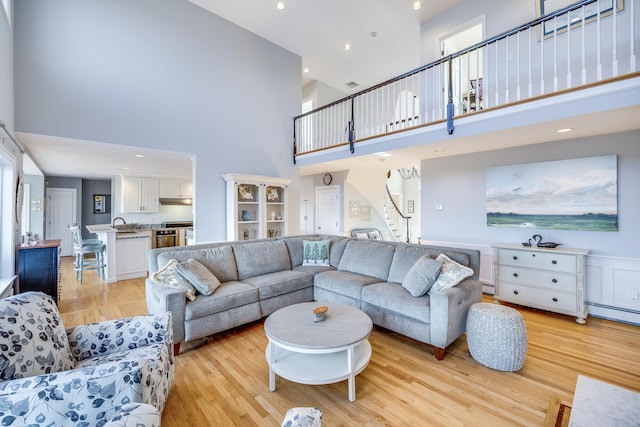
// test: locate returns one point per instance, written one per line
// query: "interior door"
(328, 209)
(61, 213)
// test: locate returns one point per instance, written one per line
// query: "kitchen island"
(126, 251)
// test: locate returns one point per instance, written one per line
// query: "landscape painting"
(576, 194)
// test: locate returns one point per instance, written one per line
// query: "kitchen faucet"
(118, 217)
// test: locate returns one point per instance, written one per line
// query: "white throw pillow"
(199, 276)
(169, 276)
(422, 275)
(451, 274)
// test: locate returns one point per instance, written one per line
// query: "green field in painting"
(587, 222)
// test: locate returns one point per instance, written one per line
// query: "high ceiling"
(315, 30)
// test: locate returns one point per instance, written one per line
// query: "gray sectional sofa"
(260, 276)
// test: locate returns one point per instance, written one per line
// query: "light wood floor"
(225, 382)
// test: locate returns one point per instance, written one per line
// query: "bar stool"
(86, 246)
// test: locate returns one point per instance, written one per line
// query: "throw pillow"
(169, 276)
(362, 236)
(422, 275)
(199, 276)
(33, 339)
(315, 253)
(452, 273)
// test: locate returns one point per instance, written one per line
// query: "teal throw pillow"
(421, 276)
(199, 276)
(452, 273)
(315, 253)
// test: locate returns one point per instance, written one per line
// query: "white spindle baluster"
(614, 65)
(632, 44)
(467, 83)
(518, 67)
(542, 43)
(497, 73)
(598, 59)
(477, 94)
(555, 53)
(459, 79)
(568, 50)
(506, 70)
(530, 66)
(584, 49)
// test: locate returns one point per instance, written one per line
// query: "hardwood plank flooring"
(225, 381)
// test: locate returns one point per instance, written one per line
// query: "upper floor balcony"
(576, 63)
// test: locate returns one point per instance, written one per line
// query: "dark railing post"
(352, 130)
(295, 148)
(450, 102)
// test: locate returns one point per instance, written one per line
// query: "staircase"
(396, 221)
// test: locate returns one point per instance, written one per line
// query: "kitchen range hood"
(176, 201)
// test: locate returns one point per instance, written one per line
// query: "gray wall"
(89, 188)
(161, 74)
(459, 184)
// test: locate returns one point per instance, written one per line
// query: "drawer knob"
(515, 257)
(555, 299)
(554, 280)
(515, 292)
(554, 262)
(515, 274)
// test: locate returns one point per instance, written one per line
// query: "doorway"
(61, 213)
(328, 209)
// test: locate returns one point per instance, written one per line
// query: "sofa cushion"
(315, 252)
(33, 339)
(422, 275)
(451, 274)
(343, 282)
(295, 247)
(220, 261)
(227, 296)
(279, 283)
(254, 259)
(168, 276)
(392, 297)
(199, 276)
(312, 269)
(367, 257)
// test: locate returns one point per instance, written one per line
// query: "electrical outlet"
(635, 295)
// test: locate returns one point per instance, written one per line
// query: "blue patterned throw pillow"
(315, 252)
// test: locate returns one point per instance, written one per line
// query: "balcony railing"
(589, 42)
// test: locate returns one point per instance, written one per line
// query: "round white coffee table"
(326, 352)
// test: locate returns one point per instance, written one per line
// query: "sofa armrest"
(111, 336)
(161, 299)
(449, 308)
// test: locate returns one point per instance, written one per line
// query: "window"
(7, 9)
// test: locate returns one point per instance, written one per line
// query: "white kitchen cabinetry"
(176, 189)
(132, 256)
(547, 279)
(140, 195)
(256, 206)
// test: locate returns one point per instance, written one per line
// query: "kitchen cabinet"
(256, 206)
(38, 268)
(140, 195)
(132, 255)
(547, 279)
(176, 188)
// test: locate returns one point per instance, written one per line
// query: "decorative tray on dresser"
(552, 279)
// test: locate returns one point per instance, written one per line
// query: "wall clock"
(327, 178)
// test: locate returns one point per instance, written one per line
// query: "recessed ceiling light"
(306, 70)
(280, 5)
(565, 130)
(417, 5)
(347, 46)
(140, 155)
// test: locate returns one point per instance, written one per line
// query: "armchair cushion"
(33, 340)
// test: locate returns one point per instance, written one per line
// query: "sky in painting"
(563, 187)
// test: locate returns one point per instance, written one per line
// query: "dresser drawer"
(539, 298)
(542, 260)
(553, 280)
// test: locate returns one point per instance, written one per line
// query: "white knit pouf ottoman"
(497, 336)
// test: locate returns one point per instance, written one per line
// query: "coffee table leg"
(352, 376)
(272, 360)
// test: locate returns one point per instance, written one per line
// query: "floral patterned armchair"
(82, 376)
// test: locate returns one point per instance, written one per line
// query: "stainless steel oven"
(165, 237)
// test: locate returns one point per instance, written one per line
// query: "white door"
(61, 213)
(328, 209)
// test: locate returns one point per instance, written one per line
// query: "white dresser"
(548, 279)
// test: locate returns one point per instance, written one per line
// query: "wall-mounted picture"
(576, 194)
(245, 193)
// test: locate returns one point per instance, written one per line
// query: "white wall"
(160, 74)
